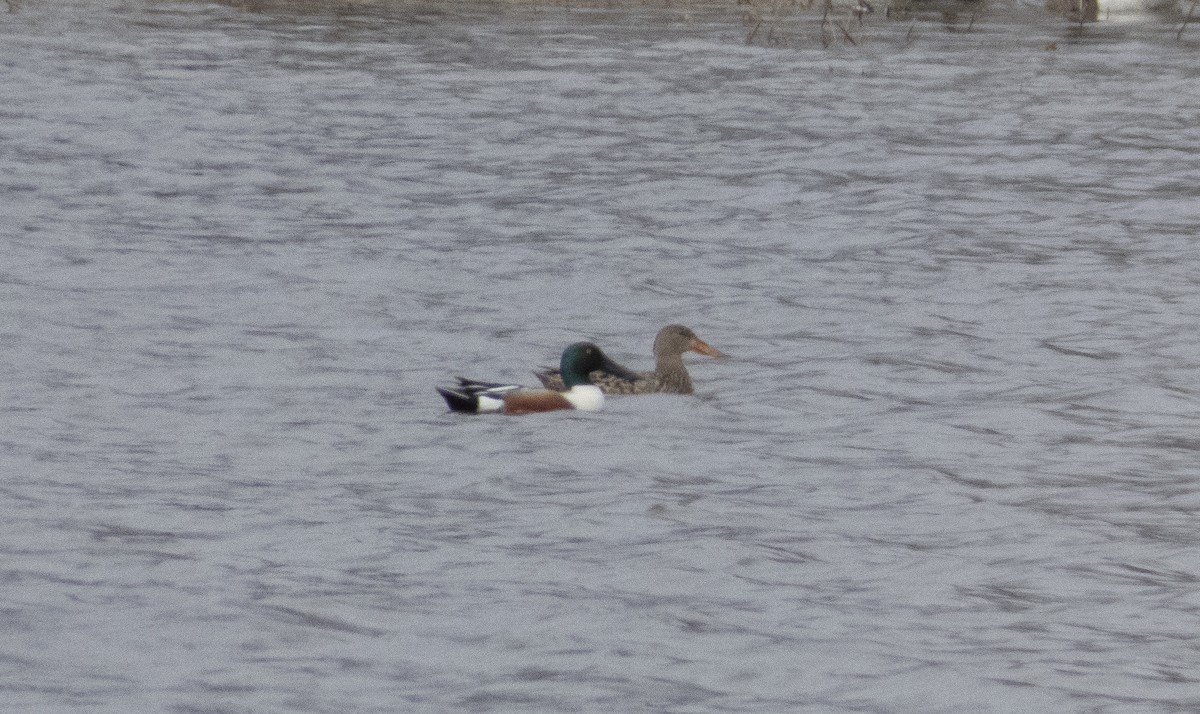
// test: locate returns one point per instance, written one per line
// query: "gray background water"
(951, 466)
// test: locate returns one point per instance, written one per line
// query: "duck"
(577, 391)
(669, 374)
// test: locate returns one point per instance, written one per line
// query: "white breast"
(586, 397)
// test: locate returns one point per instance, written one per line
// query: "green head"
(582, 358)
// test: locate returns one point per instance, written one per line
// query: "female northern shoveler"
(669, 374)
(578, 392)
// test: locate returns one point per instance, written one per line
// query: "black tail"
(459, 401)
(474, 385)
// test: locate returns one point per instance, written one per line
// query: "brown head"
(674, 340)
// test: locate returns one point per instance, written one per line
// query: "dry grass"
(781, 23)
(1191, 13)
(772, 23)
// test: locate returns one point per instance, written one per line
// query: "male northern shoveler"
(578, 360)
(669, 374)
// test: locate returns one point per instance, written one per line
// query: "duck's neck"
(669, 371)
(574, 378)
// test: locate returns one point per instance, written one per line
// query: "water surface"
(950, 466)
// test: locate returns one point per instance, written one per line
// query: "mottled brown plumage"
(669, 374)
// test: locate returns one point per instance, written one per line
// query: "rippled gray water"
(951, 467)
